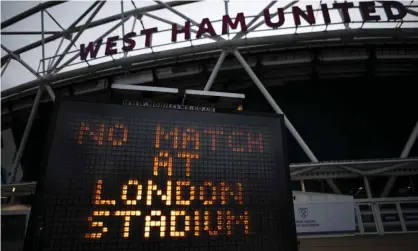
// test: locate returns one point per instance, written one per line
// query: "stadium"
(341, 74)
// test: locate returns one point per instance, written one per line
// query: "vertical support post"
(359, 219)
(122, 17)
(405, 153)
(374, 206)
(378, 218)
(367, 187)
(226, 3)
(43, 41)
(133, 25)
(400, 215)
(302, 186)
(25, 136)
(215, 71)
(51, 62)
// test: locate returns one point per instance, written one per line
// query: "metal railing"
(386, 216)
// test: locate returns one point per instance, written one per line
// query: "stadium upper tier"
(55, 42)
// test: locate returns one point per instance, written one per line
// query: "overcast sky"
(67, 13)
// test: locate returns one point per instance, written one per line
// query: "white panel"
(87, 88)
(178, 71)
(317, 214)
(215, 94)
(144, 88)
(134, 79)
(287, 58)
(387, 53)
(343, 54)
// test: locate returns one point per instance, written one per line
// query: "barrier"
(382, 216)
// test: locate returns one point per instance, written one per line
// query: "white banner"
(327, 217)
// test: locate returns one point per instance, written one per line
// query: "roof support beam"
(69, 36)
(410, 142)
(302, 39)
(405, 153)
(69, 61)
(43, 41)
(25, 136)
(84, 27)
(215, 71)
(17, 33)
(275, 107)
(62, 35)
(18, 59)
(85, 13)
(278, 110)
(122, 17)
(92, 25)
(30, 12)
(4, 68)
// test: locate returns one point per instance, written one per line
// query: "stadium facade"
(341, 73)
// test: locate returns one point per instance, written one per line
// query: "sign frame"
(34, 237)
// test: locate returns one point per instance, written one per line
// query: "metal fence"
(386, 216)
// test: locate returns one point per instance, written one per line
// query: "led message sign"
(136, 178)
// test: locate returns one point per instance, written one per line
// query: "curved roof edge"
(345, 36)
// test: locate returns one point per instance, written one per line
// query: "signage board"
(325, 218)
(319, 213)
(394, 10)
(135, 178)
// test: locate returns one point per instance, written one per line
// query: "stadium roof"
(22, 29)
